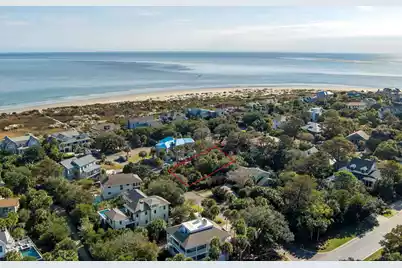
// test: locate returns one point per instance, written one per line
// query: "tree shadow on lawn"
(331, 240)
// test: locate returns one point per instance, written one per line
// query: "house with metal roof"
(315, 113)
(144, 121)
(17, 145)
(79, 168)
(313, 128)
(138, 210)
(170, 142)
(118, 183)
(71, 140)
(358, 138)
(364, 169)
(193, 238)
(203, 113)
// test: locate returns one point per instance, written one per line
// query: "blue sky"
(304, 29)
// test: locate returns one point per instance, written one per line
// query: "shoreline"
(178, 94)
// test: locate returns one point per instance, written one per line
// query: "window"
(146, 212)
(201, 247)
(154, 211)
(120, 222)
(133, 184)
(164, 215)
(146, 222)
(1, 249)
(109, 193)
(108, 187)
(121, 187)
(136, 215)
(164, 207)
(191, 250)
(128, 184)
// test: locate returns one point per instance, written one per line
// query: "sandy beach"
(177, 94)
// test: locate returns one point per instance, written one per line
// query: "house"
(241, 175)
(364, 169)
(170, 142)
(104, 128)
(17, 145)
(278, 121)
(313, 128)
(192, 238)
(203, 113)
(171, 116)
(145, 121)
(358, 138)
(25, 246)
(138, 210)
(8, 205)
(309, 152)
(118, 183)
(79, 168)
(315, 113)
(324, 95)
(370, 102)
(71, 140)
(357, 105)
(391, 93)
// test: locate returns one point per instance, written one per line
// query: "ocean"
(28, 79)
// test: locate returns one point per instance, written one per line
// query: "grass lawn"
(333, 243)
(205, 193)
(110, 167)
(375, 256)
(390, 213)
(137, 158)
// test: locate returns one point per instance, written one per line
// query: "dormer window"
(352, 166)
(364, 169)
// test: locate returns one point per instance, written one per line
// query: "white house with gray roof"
(193, 238)
(17, 145)
(70, 140)
(24, 246)
(118, 183)
(79, 168)
(138, 210)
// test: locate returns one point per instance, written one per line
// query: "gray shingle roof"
(122, 178)
(139, 201)
(115, 215)
(88, 159)
(80, 162)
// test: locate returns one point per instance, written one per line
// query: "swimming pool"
(102, 212)
(32, 252)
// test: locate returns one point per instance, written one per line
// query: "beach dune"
(165, 95)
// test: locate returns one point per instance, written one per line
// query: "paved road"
(364, 246)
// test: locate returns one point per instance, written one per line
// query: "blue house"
(324, 95)
(17, 145)
(203, 113)
(170, 142)
(145, 121)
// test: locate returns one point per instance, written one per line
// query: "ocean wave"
(149, 65)
(329, 60)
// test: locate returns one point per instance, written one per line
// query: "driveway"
(360, 248)
(363, 246)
